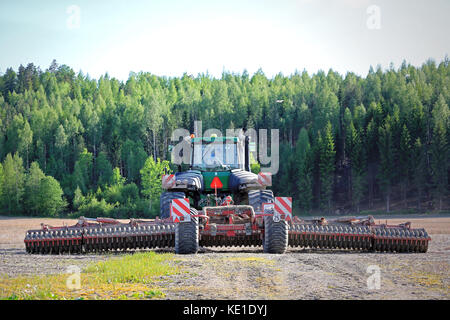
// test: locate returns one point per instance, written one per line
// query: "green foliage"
(355, 153)
(419, 169)
(117, 179)
(364, 133)
(78, 199)
(121, 194)
(83, 171)
(94, 208)
(151, 175)
(13, 185)
(439, 162)
(2, 178)
(304, 157)
(387, 160)
(43, 194)
(255, 166)
(103, 170)
(51, 201)
(326, 167)
(134, 156)
(32, 189)
(25, 140)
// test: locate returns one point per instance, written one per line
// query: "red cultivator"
(230, 225)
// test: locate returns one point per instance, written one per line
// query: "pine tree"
(355, 151)
(439, 162)
(405, 162)
(371, 146)
(25, 141)
(78, 199)
(304, 171)
(387, 165)
(83, 171)
(103, 170)
(326, 168)
(117, 179)
(419, 171)
(61, 141)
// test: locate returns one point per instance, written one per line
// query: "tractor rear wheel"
(186, 235)
(257, 197)
(275, 235)
(165, 200)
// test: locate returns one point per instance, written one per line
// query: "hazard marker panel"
(283, 206)
(168, 180)
(265, 179)
(180, 210)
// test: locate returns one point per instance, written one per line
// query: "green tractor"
(219, 170)
(220, 185)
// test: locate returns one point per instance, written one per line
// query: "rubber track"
(275, 235)
(165, 200)
(186, 235)
(257, 197)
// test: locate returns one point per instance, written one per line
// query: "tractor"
(229, 197)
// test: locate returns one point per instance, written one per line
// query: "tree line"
(69, 143)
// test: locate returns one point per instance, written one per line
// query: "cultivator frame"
(231, 225)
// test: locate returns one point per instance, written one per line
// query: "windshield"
(215, 156)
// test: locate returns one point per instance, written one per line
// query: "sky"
(172, 37)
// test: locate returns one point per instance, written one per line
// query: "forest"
(71, 145)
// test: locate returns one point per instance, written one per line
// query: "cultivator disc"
(95, 235)
(234, 241)
(357, 234)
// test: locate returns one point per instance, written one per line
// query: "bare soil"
(248, 273)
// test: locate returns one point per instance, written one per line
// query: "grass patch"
(131, 276)
(427, 279)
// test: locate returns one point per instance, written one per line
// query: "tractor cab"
(219, 159)
(219, 169)
(217, 154)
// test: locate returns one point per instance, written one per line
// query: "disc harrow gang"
(104, 234)
(365, 238)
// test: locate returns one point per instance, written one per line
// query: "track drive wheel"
(186, 235)
(257, 197)
(165, 200)
(275, 235)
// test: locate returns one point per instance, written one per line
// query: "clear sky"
(172, 37)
